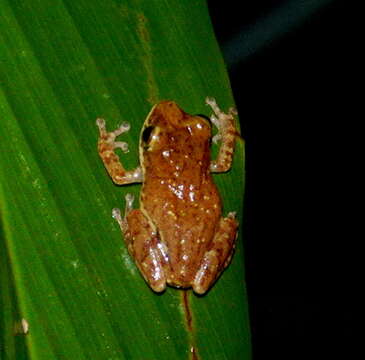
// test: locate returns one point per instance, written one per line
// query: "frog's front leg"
(227, 133)
(218, 255)
(144, 245)
(106, 147)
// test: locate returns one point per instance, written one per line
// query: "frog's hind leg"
(218, 255)
(143, 245)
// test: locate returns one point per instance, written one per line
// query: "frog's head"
(174, 143)
(168, 124)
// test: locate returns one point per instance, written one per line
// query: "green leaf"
(64, 266)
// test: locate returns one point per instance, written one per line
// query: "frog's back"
(186, 218)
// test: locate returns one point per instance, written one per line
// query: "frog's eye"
(147, 132)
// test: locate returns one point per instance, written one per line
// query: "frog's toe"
(216, 138)
(209, 100)
(121, 145)
(125, 127)
(116, 214)
(100, 123)
(159, 286)
(129, 199)
(232, 111)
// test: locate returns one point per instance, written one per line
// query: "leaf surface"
(65, 268)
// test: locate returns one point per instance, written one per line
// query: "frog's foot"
(227, 132)
(107, 146)
(143, 245)
(219, 255)
(116, 214)
(108, 137)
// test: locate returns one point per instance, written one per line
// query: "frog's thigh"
(218, 256)
(145, 246)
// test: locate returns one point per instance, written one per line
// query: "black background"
(296, 97)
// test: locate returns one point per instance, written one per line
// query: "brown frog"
(178, 236)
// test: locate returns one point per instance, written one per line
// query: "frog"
(178, 236)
